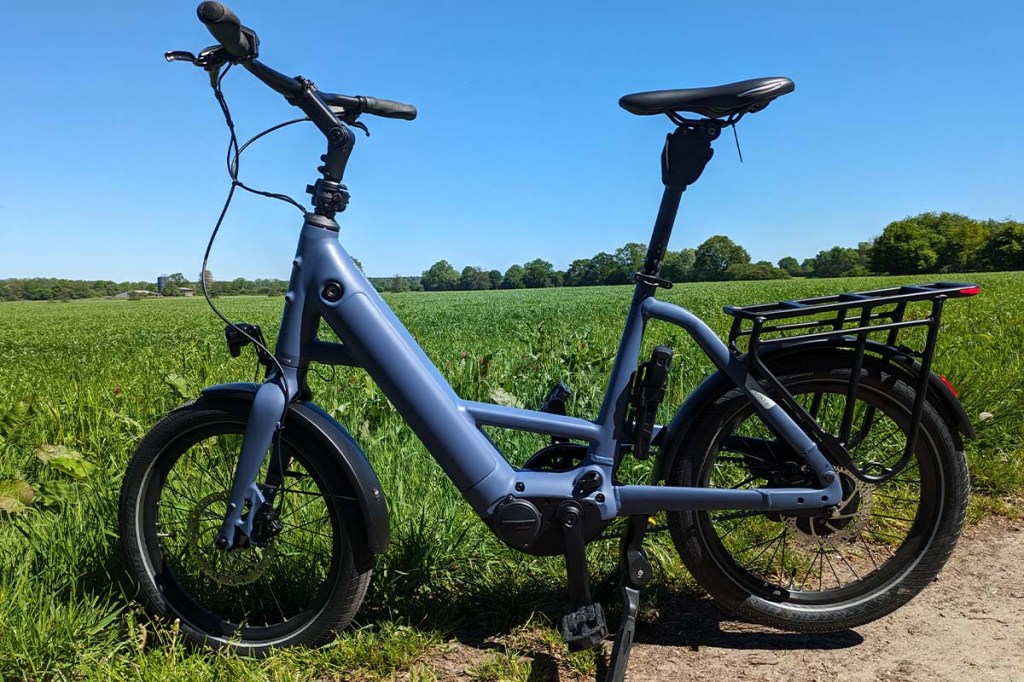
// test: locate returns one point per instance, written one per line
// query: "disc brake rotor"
(230, 568)
(846, 522)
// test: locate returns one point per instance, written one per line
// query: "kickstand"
(636, 572)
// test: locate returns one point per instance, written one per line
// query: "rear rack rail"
(851, 317)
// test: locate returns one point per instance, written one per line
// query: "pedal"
(585, 627)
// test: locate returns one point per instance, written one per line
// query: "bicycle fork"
(246, 496)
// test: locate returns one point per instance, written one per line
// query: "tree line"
(925, 243)
(57, 289)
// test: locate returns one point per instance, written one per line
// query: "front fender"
(308, 417)
(947, 403)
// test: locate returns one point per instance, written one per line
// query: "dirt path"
(967, 626)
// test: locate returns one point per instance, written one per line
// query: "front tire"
(880, 547)
(298, 589)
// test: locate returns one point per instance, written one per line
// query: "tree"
(172, 289)
(1005, 249)
(538, 273)
(678, 265)
(628, 259)
(715, 256)
(838, 262)
(398, 284)
(473, 279)
(907, 247)
(791, 265)
(760, 270)
(179, 279)
(441, 276)
(212, 286)
(514, 278)
(591, 271)
(496, 278)
(864, 251)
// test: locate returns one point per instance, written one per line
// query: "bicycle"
(254, 518)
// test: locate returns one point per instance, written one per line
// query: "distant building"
(185, 291)
(161, 283)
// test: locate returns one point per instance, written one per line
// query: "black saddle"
(722, 101)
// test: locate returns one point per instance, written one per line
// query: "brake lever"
(350, 119)
(180, 56)
(210, 58)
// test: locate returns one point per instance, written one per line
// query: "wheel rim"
(878, 532)
(260, 595)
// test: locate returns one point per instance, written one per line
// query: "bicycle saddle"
(715, 102)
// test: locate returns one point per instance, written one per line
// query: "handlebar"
(243, 44)
(225, 27)
(384, 108)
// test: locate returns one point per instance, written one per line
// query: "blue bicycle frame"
(326, 285)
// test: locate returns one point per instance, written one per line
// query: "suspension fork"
(265, 419)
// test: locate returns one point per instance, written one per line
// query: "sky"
(113, 160)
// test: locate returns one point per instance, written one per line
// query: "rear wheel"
(866, 557)
(299, 587)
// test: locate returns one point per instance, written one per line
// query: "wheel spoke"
(256, 587)
(867, 541)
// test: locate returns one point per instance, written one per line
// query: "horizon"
(520, 150)
(457, 266)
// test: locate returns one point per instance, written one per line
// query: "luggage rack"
(850, 317)
(880, 310)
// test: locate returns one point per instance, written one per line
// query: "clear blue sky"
(113, 159)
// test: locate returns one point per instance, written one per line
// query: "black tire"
(888, 540)
(299, 590)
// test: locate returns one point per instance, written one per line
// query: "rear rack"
(850, 317)
(880, 310)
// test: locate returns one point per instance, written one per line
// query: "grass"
(93, 375)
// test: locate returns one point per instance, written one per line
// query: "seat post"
(686, 153)
(662, 230)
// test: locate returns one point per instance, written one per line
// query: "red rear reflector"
(970, 291)
(944, 380)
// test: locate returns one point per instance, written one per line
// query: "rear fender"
(943, 399)
(335, 440)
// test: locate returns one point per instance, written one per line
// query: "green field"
(94, 375)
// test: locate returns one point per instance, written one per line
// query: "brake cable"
(234, 151)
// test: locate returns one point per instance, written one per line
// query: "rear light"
(970, 291)
(944, 380)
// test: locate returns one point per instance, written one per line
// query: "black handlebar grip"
(388, 108)
(225, 28)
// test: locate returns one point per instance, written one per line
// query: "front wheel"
(870, 554)
(298, 587)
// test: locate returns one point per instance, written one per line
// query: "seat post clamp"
(651, 280)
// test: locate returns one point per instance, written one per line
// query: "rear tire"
(299, 589)
(883, 545)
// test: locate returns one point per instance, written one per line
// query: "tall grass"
(93, 375)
